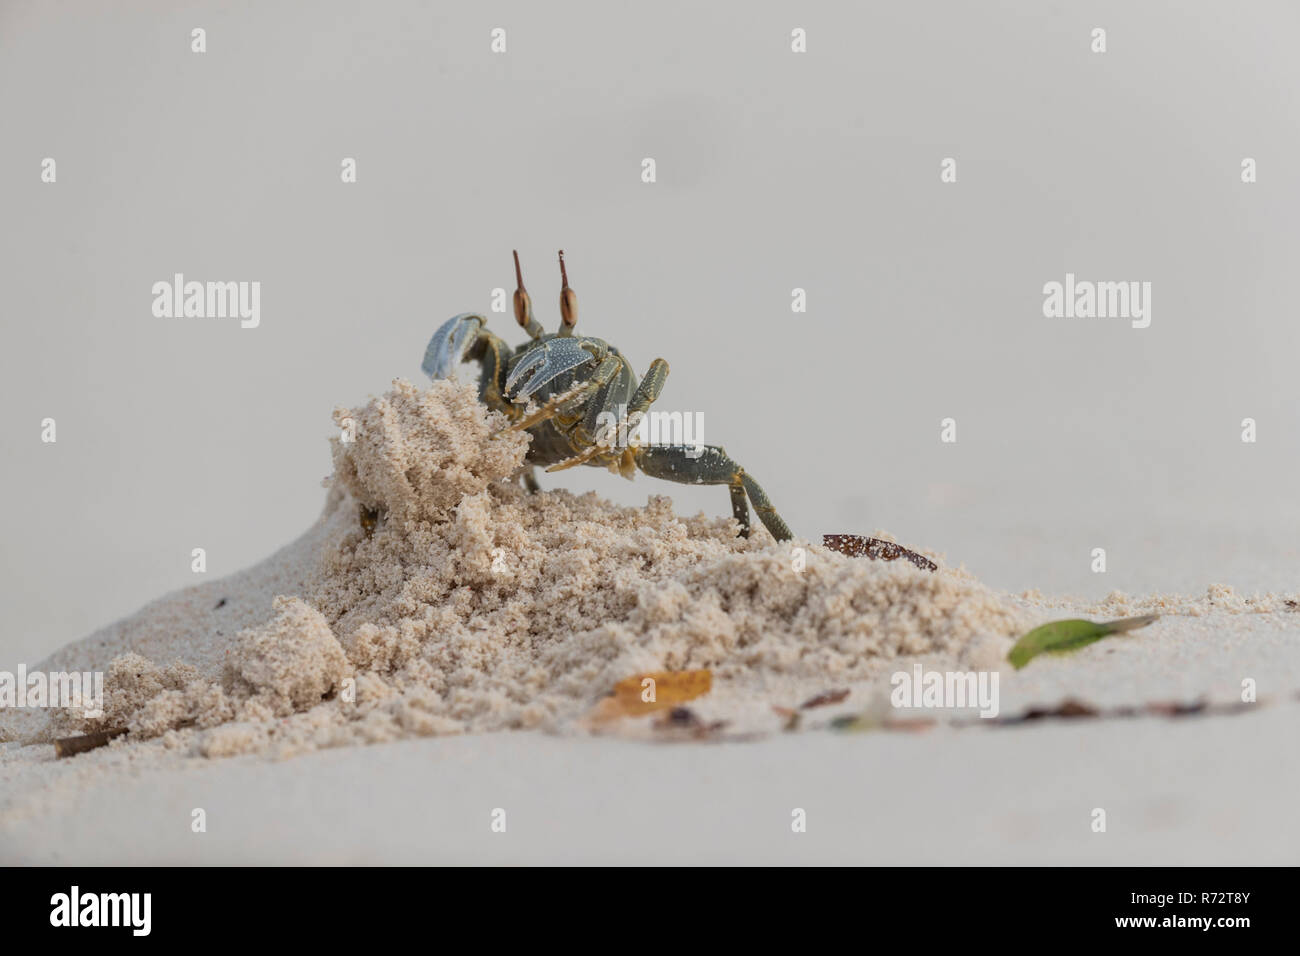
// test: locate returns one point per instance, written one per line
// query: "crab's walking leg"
(530, 481)
(713, 466)
(647, 393)
(549, 409)
(491, 351)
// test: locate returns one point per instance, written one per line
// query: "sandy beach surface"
(425, 676)
(1191, 791)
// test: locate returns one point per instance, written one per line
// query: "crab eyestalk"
(524, 304)
(568, 301)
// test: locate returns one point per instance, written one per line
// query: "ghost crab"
(588, 403)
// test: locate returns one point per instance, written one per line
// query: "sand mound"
(469, 604)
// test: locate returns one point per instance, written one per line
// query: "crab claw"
(542, 364)
(449, 344)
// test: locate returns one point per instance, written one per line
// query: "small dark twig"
(71, 746)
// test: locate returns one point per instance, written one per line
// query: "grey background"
(776, 170)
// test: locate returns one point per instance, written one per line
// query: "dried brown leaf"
(653, 691)
(877, 549)
(823, 700)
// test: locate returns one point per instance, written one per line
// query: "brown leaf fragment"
(650, 692)
(823, 700)
(1176, 708)
(792, 717)
(877, 549)
(680, 717)
(861, 723)
(910, 724)
(1070, 707)
(1074, 708)
(684, 723)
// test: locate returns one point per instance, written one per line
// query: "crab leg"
(548, 410)
(580, 459)
(491, 352)
(645, 395)
(713, 466)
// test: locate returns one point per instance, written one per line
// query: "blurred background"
(775, 171)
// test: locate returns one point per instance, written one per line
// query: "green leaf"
(1062, 637)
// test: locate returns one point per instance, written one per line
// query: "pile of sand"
(469, 604)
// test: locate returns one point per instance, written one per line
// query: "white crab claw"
(544, 363)
(449, 344)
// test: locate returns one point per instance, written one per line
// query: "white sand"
(475, 607)
(1207, 791)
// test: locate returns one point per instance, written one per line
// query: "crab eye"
(523, 307)
(569, 307)
(523, 304)
(568, 298)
